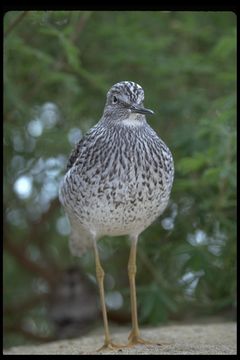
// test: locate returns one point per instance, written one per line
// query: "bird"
(118, 181)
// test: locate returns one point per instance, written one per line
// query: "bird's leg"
(132, 269)
(108, 344)
(134, 337)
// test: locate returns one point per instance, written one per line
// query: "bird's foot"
(110, 346)
(135, 339)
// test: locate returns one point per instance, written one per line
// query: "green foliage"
(58, 66)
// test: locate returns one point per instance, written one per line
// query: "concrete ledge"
(219, 338)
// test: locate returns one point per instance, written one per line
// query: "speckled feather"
(120, 174)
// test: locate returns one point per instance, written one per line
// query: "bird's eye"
(114, 100)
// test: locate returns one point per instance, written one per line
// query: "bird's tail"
(80, 241)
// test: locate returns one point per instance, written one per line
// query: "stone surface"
(217, 338)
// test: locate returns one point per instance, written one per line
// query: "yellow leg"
(108, 344)
(134, 337)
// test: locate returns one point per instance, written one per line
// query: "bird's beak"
(140, 110)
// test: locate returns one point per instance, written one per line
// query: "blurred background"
(58, 66)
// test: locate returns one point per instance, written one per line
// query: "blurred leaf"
(190, 164)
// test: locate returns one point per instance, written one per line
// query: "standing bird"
(118, 181)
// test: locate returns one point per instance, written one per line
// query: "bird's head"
(125, 103)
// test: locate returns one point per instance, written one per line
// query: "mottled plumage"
(119, 175)
(118, 181)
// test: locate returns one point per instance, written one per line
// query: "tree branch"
(16, 21)
(20, 255)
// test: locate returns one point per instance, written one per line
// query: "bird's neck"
(133, 120)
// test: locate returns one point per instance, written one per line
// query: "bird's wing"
(75, 154)
(80, 146)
